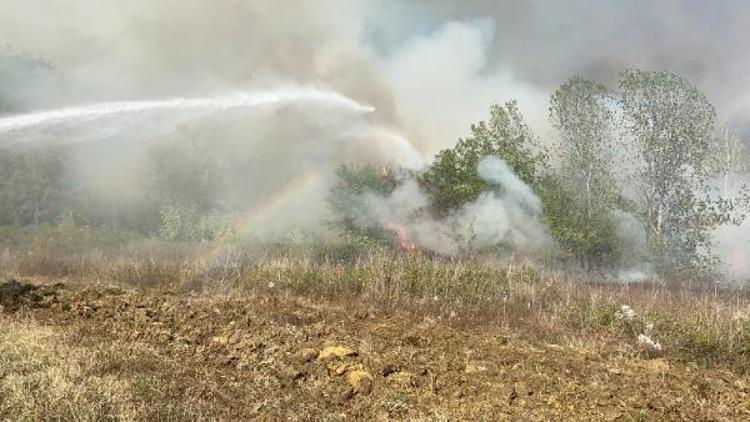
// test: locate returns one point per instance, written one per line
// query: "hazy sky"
(433, 66)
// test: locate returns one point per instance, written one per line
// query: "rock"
(361, 381)
(335, 352)
(307, 354)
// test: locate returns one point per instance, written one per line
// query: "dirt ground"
(169, 356)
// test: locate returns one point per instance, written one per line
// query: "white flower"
(271, 285)
(648, 343)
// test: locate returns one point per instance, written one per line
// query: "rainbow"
(247, 222)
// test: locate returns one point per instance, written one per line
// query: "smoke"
(543, 43)
(508, 217)
(142, 53)
(428, 67)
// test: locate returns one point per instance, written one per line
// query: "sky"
(430, 66)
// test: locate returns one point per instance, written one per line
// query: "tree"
(730, 162)
(34, 186)
(589, 239)
(452, 180)
(579, 205)
(671, 123)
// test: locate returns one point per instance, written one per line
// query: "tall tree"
(579, 205)
(671, 123)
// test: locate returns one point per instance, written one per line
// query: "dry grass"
(707, 325)
(80, 373)
(105, 356)
(43, 377)
(114, 354)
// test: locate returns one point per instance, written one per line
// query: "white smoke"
(733, 248)
(509, 217)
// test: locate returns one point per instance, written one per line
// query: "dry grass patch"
(44, 377)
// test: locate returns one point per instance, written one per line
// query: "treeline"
(638, 174)
(176, 193)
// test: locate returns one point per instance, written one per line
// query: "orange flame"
(404, 242)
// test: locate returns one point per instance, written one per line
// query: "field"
(116, 336)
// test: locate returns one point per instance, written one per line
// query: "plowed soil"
(270, 358)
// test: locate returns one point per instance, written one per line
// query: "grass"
(42, 377)
(694, 322)
(79, 374)
(206, 336)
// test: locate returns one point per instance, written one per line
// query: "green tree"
(730, 162)
(591, 240)
(579, 203)
(671, 123)
(34, 186)
(452, 179)
(185, 175)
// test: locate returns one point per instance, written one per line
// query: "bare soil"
(268, 357)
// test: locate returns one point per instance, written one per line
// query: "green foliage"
(672, 123)
(175, 225)
(181, 224)
(590, 239)
(580, 200)
(34, 186)
(184, 175)
(452, 180)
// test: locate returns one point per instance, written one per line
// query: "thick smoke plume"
(511, 216)
(428, 68)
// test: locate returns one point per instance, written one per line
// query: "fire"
(404, 241)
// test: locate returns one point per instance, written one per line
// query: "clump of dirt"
(15, 295)
(262, 357)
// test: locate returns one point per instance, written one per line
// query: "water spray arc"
(90, 113)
